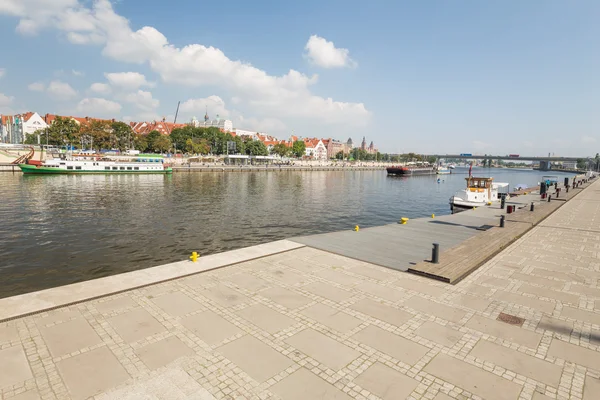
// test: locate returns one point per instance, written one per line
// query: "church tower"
(363, 145)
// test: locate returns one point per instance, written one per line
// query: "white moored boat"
(92, 166)
(442, 170)
(479, 192)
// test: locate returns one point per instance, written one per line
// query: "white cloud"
(143, 100)
(479, 145)
(61, 90)
(97, 107)
(36, 87)
(323, 53)
(198, 107)
(127, 80)
(2, 72)
(101, 88)
(77, 73)
(588, 139)
(285, 96)
(265, 125)
(5, 100)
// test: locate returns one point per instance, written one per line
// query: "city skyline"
(430, 78)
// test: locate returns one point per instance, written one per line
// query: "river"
(61, 229)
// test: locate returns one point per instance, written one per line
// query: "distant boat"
(443, 171)
(414, 169)
(451, 166)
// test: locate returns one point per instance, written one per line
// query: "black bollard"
(502, 221)
(435, 253)
(555, 185)
(531, 207)
(567, 187)
(549, 197)
(502, 201)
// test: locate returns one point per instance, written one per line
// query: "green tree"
(299, 148)
(32, 138)
(431, 159)
(256, 148)
(281, 149)
(122, 135)
(339, 155)
(62, 131)
(162, 144)
(197, 146)
(140, 142)
(151, 138)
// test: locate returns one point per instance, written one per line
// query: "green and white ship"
(144, 165)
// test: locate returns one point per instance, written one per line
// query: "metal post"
(435, 253)
(532, 207)
(502, 221)
(549, 198)
(502, 201)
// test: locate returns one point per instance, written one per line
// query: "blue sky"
(424, 76)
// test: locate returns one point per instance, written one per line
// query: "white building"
(34, 123)
(225, 125)
(242, 133)
(569, 164)
(15, 128)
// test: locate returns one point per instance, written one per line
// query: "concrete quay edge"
(61, 296)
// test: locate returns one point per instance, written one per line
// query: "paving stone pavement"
(307, 324)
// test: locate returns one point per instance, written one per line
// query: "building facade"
(223, 124)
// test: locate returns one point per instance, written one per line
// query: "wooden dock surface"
(465, 243)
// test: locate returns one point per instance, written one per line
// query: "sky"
(464, 76)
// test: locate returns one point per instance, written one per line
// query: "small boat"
(443, 170)
(479, 192)
(451, 166)
(62, 166)
(412, 169)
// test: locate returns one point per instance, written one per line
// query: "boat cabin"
(480, 185)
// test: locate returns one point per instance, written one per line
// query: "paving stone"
(556, 325)
(14, 368)
(266, 318)
(439, 310)
(331, 317)
(161, 353)
(70, 336)
(210, 327)
(504, 331)
(581, 315)
(327, 291)
(551, 294)
(386, 383)
(383, 292)
(8, 333)
(565, 276)
(472, 302)
(490, 280)
(378, 273)
(337, 276)
(177, 304)
(301, 264)
(248, 282)
(330, 352)
(576, 354)
(60, 315)
(135, 325)
(91, 373)
(478, 290)
(583, 289)
(287, 298)
(539, 396)
(473, 379)
(224, 295)
(386, 342)
(538, 280)
(287, 276)
(255, 358)
(439, 333)
(30, 395)
(532, 367)
(115, 304)
(533, 303)
(501, 272)
(442, 396)
(304, 385)
(420, 286)
(383, 312)
(591, 389)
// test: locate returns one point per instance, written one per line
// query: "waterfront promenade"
(295, 322)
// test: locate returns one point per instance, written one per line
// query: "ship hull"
(40, 170)
(410, 171)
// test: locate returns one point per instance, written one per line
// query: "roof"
(163, 127)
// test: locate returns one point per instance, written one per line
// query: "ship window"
(136, 168)
(129, 168)
(121, 167)
(70, 167)
(77, 167)
(107, 168)
(62, 163)
(115, 168)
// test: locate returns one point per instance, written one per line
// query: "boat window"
(129, 168)
(77, 167)
(121, 167)
(136, 168)
(108, 168)
(62, 163)
(115, 168)
(69, 167)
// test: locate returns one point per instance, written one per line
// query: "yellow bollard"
(356, 228)
(432, 215)
(489, 203)
(403, 220)
(474, 208)
(194, 256)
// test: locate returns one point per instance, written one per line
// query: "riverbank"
(304, 323)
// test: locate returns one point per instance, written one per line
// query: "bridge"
(507, 157)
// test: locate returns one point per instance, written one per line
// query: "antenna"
(176, 112)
